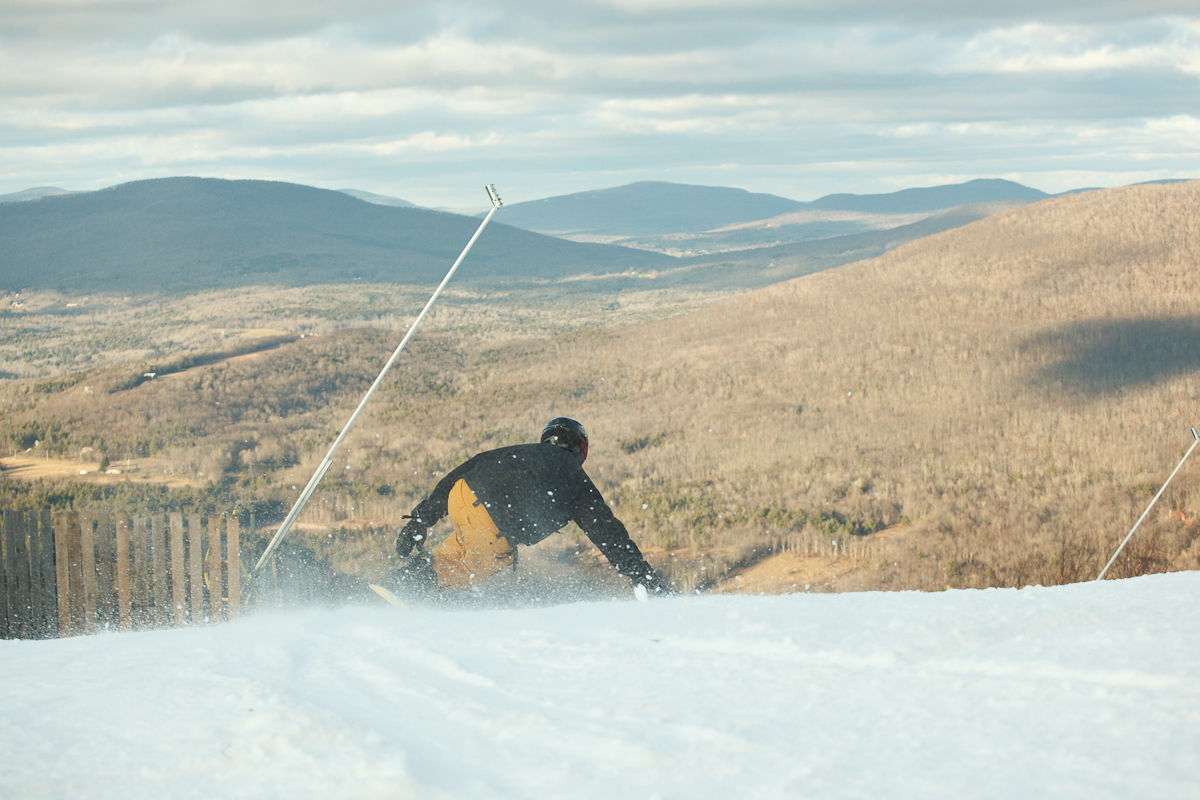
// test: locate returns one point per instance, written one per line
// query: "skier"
(513, 496)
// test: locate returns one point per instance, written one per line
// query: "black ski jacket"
(533, 490)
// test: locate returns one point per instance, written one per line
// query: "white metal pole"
(298, 506)
(1152, 502)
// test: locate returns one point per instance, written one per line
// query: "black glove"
(413, 535)
(656, 584)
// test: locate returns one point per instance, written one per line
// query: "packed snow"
(1091, 690)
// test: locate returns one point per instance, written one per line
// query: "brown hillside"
(1014, 386)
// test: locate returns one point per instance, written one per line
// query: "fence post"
(195, 547)
(124, 594)
(233, 563)
(158, 557)
(6, 631)
(24, 605)
(88, 567)
(106, 552)
(141, 571)
(46, 584)
(73, 595)
(62, 575)
(215, 593)
(35, 621)
(178, 575)
(37, 599)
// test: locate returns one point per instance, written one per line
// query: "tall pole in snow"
(1195, 436)
(328, 461)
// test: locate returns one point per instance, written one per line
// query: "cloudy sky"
(430, 100)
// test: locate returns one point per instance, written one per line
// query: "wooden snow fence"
(63, 574)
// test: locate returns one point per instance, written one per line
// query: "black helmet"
(566, 432)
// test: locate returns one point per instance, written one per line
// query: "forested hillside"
(178, 235)
(190, 234)
(647, 207)
(655, 208)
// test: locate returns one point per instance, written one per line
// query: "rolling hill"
(378, 199)
(657, 208)
(762, 266)
(187, 234)
(646, 207)
(930, 199)
(36, 193)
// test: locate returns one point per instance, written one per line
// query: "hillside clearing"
(27, 467)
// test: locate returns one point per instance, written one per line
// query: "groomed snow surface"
(1090, 690)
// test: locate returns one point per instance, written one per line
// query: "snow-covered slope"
(1089, 691)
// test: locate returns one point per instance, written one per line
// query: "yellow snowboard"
(386, 595)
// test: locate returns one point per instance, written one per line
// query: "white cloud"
(1036, 47)
(803, 97)
(427, 141)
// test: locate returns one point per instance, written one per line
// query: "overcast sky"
(428, 101)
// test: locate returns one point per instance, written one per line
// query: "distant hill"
(931, 199)
(184, 234)
(378, 199)
(189, 234)
(1164, 181)
(36, 193)
(656, 208)
(746, 269)
(797, 227)
(646, 207)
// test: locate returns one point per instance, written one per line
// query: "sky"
(428, 101)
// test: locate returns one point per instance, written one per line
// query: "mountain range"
(656, 207)
(762, 266)
(187, 234)
(36, 193)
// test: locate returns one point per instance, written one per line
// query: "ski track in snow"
(1090, 690)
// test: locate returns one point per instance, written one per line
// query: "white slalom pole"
(328, 462)
(1152, 502)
